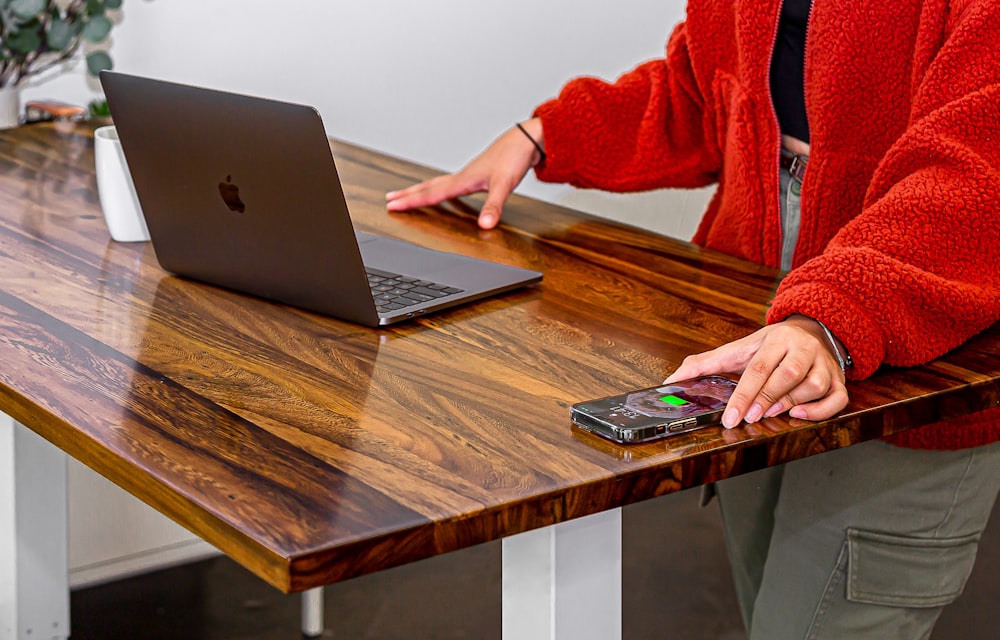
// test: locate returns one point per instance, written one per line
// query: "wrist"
(839, 350)
(823, 333)
(532, 132)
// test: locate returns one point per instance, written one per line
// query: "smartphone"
(656, 412)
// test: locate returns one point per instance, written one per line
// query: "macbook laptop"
(243, 192)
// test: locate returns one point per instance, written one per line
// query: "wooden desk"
(312, 451)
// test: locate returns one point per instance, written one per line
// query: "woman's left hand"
(787, 366)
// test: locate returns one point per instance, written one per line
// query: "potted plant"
(36, 35)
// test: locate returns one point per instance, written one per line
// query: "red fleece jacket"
(899, 246)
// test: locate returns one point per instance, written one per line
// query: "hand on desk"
(787, 366)
(497, 170)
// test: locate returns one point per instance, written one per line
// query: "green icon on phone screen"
(674, 400)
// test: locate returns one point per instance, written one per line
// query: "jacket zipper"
(777, 125)
(805, 100)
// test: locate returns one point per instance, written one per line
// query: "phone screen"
(656, 411)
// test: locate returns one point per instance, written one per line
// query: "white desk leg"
(312, 612)
(34, 579)
(565, 582)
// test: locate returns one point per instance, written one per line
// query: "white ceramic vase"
(115, 190)
(10, 107)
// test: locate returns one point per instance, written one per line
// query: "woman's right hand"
(497, 171)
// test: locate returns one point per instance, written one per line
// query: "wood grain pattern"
(312, 450)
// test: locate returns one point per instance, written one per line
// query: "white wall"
(432, 81)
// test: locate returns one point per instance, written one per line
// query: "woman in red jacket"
(857, 145)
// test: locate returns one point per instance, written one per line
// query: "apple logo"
(231, 195)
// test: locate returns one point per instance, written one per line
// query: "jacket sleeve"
(647, 130)
(917, 273)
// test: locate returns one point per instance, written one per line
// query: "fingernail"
(753, 415)
(487, 221)
(798, 412)
(731, 418)
(390, 195)
(775, 409)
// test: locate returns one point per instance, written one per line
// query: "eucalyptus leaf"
(97, 62)
(36, 35)
(60, 35)
(24, 41)
(27, 9)
(96, 29)
(32, 25)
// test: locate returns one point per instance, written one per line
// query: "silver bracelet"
(843, 360)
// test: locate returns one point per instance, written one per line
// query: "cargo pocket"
(905, 571)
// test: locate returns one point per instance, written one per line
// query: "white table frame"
(34, 576)
(564, 582)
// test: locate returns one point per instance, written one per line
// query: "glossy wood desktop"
(312, 450)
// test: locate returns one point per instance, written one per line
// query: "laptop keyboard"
(393, 291)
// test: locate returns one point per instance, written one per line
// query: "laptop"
(243, 192)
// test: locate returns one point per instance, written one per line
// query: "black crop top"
(787, 69)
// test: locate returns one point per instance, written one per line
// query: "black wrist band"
(541, 152)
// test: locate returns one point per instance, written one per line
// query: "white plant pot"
(10, 107)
